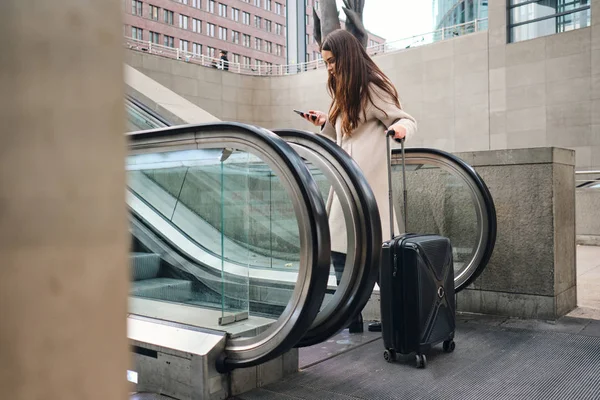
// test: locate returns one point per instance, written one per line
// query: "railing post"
(149, 47)
(177, 53)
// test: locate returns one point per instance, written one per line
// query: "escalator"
(211, 260)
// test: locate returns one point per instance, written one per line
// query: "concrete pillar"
(532, 272)
(63, 222)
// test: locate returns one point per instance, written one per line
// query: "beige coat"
(367, 147)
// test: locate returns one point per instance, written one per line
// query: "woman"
(364, 107)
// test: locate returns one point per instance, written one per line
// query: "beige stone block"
(573, 66)
(261, 97)
(595, 36)
(497, 101)
(525, 139)
(229, 111)
(528, 119)
(497, 57)
(568, 43)
(497, 13)
(519, 97)
(498, 141)
(438, 69)
(231, 94)
(595, 150)
(595, 61)
(595, 111)
(526, 52)
(244, 112)
(209, 90)
(471, 104)
(497, 36)
(438, 50)
(498, 123)
(214, 107)
(526, 74)
(438, 108)
(214, 75)
(281, 97)
(434, 90)
(262, 114)
(569, 114)
(470, 62)
(474, 42)
(473, 127)
(568, 136)
(568, 91)
(411, 93)
(435, 128)
(583, 156)
(479, 140)
(184, 86)
(409, 57)
(471, 84)
(497, 79)
(595, 94)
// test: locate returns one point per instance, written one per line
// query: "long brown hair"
(354, 72)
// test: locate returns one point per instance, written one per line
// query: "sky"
(396, 19)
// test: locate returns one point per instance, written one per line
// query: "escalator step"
(144, 265)
(163, 289)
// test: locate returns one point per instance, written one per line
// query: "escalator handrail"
(356, 296)
(147, 110)
(489, 207)
(309, 294)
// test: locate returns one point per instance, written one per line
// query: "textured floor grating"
(490, 362)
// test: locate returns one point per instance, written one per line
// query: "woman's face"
(329, 61)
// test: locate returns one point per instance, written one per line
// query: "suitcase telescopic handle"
(389, 133)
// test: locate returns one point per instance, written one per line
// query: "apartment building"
(253, 32)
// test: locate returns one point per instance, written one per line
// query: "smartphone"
(302, 114)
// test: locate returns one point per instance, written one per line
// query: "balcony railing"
(270, 70)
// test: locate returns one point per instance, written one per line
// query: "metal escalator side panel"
(363, 224)
(311, 217)
(484, 211)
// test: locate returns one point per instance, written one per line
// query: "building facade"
(252, 32)
(449, 13)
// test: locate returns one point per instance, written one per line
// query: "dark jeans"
(339, 261)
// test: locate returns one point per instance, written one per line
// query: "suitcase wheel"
(449, 346)
(421, 360)
(389, 355)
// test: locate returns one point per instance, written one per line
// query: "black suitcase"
(416, 281)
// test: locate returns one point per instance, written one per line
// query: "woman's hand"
(399, 131)
(316, 118)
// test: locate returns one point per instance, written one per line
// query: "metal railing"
(270, 70)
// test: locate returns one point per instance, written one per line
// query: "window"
(246, 18)
(306, 20)
(279, 50)
(183, 21)
(235, 58)
(246, 61)
(307, 39)
(235, 37)
(197, 4)
(211, 51)
(235, 14)
(257, 21)
(196, 25)
(278, 28)
(307, 57)
(247, 40)
(257, 3)
(184, 45)
(154, 13)
(532, 19)
(197, 49)
(268, 25)
(184, 2)
(210, 29)
(268, 47)
(210, 6)
(137, 33)
(222, 33)
(257, 43)
(154, 37)
(317, 5)
(169, 41)
(168, 17)
(268, 5)
(222, 10)
(136, 8)
(316, 55)
(278, 8)
(258, 63)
